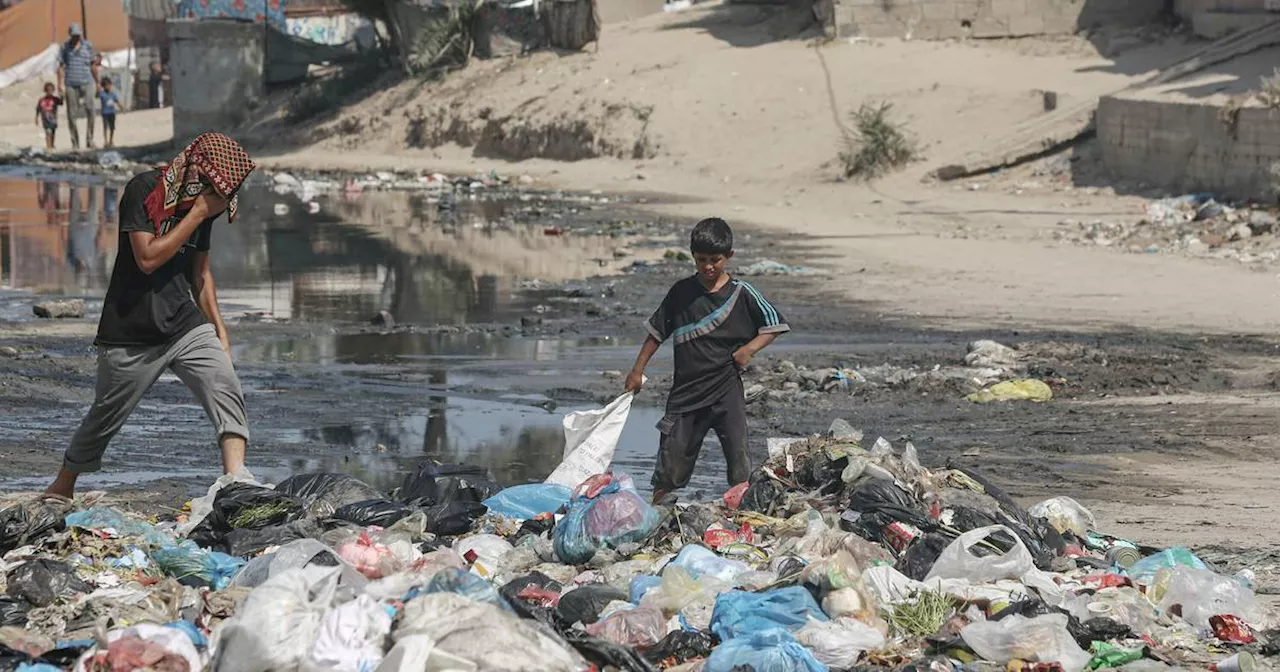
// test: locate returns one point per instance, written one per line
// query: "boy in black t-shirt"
(718, 323)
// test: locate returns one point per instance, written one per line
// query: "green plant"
(877, 143)
(447, 42)
(922, 615)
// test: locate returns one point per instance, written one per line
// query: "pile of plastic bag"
(833, 557)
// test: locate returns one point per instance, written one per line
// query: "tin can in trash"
(1123, 556)
(899, 535)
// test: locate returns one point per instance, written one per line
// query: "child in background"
(110, 103)
(47, 114)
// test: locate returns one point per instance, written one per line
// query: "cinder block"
(939, 10)
(990, 26)
(871, 14)
(1060, 25)
(1008, 8)
(1026, 25)
(966, 10)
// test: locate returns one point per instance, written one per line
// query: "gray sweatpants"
(125, 375)
(80, 102)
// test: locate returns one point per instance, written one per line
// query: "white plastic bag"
(1042, 639)
(1204, 594)
(956, 562)
(590, 438)
(489, 548)
(418, 653)
(1065, 514)
(350, 637)
(201, 507)
(484, 635)
(277, 624)
(839, 642)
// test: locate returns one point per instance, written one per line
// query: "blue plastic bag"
(191, 631)
(466, 584)
(700, 561)
(101, 518)
(1144, 570)
(641, 585)
(738, 613)
(522, 502)
(772, 650)
(192, 565)
(616, 515)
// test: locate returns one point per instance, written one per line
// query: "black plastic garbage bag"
(880, 503)
(1097, 630)
(380, 512)
(682, 645)
(244, 506)
(525, 608)
(693, 521)
(761, 495)
(42, 581)
(435, 484)
(921, 554)
(13, 611)
(584, 604)
(455, 517)
(605, 654)
(248, 543)
(27, 522)
(323, 494)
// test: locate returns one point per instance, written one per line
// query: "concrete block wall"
(1185, 147)
(216, 69)
(943, 19)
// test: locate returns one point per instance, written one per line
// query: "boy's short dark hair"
(106, 81)
(711, 236)
(48, 85)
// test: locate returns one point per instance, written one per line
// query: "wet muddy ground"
(517, 307)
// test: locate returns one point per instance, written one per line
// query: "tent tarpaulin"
(272, 11)
(28, 28)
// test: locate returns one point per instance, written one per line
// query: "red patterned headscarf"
(221, 161)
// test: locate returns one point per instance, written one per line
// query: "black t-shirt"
(153, 309)
(707, 328)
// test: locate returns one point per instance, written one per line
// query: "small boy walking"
(47, 114)
(110, 103)
(718, 323)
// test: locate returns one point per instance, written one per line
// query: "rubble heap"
(833, 556)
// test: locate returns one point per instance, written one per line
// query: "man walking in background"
(78, 83)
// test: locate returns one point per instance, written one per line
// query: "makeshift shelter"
(270, 11)
(31, 33)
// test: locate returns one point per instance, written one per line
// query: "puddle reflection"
(354, 257)
(381, 348)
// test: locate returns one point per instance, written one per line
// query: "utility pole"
(84, 20)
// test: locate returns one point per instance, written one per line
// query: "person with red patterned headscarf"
(161, 309)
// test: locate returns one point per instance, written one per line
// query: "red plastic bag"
(733, 497)
(717, 537)
(540, 596)
(1230, 628)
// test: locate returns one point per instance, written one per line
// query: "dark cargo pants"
(681, 442)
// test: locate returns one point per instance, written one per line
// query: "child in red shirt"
(47, 114)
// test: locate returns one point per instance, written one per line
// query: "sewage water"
(385, 401)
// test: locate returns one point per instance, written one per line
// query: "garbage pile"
(990, 372)
(1194, 224)
(831, 557)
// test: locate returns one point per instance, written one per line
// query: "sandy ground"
(18, 122)
(733, 111)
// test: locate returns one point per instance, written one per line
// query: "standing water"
(370, 403)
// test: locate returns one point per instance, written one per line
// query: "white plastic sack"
(485, 635)
(956, 562)
(889, 586)
(350, 637)
(590, 439)
(1065, 514)
(278, 622)
(1203, 594)
(418, 653)
(840, 642)
(1042, 639)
